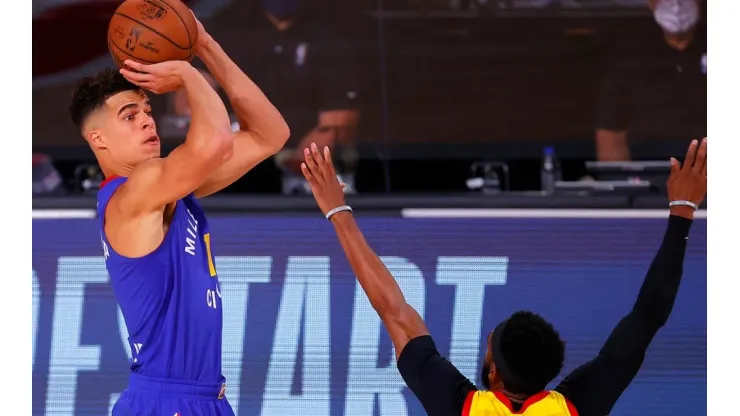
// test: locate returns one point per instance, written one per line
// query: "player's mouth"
(152, 140)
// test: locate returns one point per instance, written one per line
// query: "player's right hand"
(688, 182)
(319, 171)
(158, 78)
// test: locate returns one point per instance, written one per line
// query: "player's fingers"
(136, 76)
(136, 66)
(688, 161)
(328, 161)
(675, 166)
(307, 174)
(317, 155)
(311, 163)
(701, 157)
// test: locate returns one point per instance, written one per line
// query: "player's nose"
(148, 124)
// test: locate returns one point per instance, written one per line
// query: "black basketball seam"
(182, 20)
(152, 29)
(135, 58)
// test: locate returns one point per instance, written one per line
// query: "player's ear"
(96, 139)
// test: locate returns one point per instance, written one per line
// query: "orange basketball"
(152, 31)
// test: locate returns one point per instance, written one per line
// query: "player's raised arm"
(595, 386)
(263, 130)
(438, 385)
(401, 320)
(209, 142)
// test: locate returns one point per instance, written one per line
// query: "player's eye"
(129, 117)
(149, 113)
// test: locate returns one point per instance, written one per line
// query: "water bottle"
(550, 171)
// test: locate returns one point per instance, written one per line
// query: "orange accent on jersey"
(547, 403)
(211, 266)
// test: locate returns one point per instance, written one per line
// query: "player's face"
(130, 134)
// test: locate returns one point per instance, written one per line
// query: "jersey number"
(211, 266)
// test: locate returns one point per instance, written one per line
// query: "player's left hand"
(158, 78)
(319, 171)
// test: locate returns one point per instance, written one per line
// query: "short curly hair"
(533, 350)
(91, 93)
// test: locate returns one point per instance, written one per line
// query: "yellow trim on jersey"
(551, 403)
(211, 266)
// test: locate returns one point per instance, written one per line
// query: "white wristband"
(683, 203)
(338, 209)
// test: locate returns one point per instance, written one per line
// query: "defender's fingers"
(307, 174)
(688, 161)
(701, 157)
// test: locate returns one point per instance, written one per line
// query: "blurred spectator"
(45, 178)
(656, 87)
(305, 70)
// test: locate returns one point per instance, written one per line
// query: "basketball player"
(524, 352)
(156, 239)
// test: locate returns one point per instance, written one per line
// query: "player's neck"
(519, 398)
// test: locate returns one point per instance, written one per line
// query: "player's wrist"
(204, 45)
(682, 211)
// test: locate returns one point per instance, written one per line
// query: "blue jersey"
(170, 298)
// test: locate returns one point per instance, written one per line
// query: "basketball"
(152, 31)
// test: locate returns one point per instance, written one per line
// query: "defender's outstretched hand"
(157, 78)
(320, 174)
(688, 182)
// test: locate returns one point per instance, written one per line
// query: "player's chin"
(151, 151)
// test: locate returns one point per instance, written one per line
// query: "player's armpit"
(439, 386)
(248, 152)
(158, 182)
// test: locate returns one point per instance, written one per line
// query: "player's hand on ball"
(688, 181)
(158, 78)
(319, 172)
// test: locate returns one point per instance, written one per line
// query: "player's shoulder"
(134, 189)
(146, 170)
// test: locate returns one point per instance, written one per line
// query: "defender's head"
(114, 116)
(524, 354)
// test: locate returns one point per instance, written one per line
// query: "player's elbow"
(277, 136)
(282, 134)
(219, 148)
(390, 310)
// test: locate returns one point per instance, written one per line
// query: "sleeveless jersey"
(547, 403)
(170, 298)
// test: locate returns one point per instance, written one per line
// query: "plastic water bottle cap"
(549, 151)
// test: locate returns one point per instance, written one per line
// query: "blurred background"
(420, 96)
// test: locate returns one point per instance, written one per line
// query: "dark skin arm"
(400, 319)
(595, 387)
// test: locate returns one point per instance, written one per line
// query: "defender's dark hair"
(91, 93)
(533, 351)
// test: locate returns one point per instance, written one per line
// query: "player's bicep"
(439, 386)
(248, 152)
(158, 182)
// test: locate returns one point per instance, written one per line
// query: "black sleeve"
(614, 105)
(438, 385)
(595, 387)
